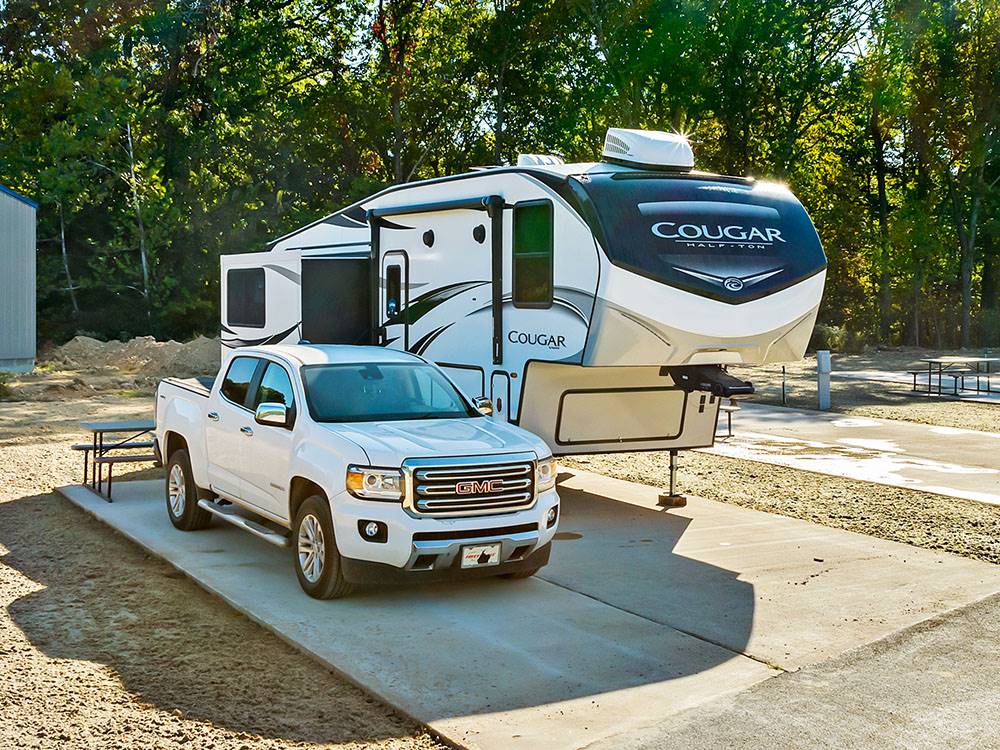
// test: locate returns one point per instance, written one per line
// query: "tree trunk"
(498, 130)
(991, 295)
(967, 246)
(65, 259)
(138, 218)
(397, 129)
(917, 283)
(884, 278)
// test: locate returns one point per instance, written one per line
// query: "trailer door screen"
(245, 303)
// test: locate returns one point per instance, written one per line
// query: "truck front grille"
(473, 489)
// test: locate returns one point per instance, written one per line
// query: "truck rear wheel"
(317, 559)
(182, 494)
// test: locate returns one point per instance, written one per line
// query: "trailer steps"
(229, 514)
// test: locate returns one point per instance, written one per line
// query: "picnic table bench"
(100, 453)
(958, 368)
(729, 409)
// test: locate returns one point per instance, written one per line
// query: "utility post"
(823, 369)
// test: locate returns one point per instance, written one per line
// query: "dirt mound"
(142, 355)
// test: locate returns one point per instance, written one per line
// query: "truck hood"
(391, 443)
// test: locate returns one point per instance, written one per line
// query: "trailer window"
(393, 291)
(245, 305)
(533, 254)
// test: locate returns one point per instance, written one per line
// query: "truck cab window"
(275, 387)
(238, 378)
(393, 291)
(245, 300)
(532, 254)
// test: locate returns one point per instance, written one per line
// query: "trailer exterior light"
(375, 484)
(545, 474)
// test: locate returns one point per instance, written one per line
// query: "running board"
(229, 514)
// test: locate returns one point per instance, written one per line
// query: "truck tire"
(182, 494)
(315, 553)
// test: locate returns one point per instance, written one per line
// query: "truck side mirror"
(483, 405)
(272, 414)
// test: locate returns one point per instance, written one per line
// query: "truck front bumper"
(429, 548)
(364, 571)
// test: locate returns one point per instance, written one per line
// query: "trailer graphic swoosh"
(238, 342)
(427, 301)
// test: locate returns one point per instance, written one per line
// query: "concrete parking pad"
(783, 591)
(494, 664)
(943, 460)
(642, 614)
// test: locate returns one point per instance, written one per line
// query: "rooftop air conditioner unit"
(538, 160)
(648, 148)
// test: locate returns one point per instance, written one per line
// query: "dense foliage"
(157, 135)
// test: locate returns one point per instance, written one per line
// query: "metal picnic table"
(951, 362)
(99, 448)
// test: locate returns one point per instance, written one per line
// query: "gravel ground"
(878, 400)
(960, 526)
(102, 646)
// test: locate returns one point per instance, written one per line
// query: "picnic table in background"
(958, 367)
(100, 452)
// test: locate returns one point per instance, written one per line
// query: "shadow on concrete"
(632, 564)
(171, 644)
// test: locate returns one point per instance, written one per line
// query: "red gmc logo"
(479, 488)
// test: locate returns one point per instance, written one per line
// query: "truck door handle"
(248, 431)
(214, 416)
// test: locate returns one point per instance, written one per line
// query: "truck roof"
(332, 354)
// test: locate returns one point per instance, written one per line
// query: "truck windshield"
(386, 391)
(726, 238)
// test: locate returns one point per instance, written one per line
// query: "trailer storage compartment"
(625, 415)
(596, 409)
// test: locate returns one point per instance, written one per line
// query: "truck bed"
(200, 385)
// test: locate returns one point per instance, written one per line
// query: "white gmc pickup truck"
(368, 462)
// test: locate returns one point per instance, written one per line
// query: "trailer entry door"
(394, 298)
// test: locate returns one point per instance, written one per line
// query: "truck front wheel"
(182, 495)
(317, 560)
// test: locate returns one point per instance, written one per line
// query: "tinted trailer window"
(245, 301)
(732, 240)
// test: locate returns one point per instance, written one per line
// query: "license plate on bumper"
(480, 555)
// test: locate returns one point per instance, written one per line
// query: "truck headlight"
(545, 474)
(375, 484)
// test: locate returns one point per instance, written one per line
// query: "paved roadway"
(644, 619)
(942, 460)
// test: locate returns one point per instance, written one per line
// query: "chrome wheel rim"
(311, 547)
(176, 491)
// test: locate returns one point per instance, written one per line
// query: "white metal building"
(17, 281)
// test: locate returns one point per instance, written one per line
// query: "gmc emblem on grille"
(478, 488)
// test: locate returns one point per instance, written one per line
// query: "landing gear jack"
(671, 499)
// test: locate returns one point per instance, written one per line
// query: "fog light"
(552, 516)
(373, 531)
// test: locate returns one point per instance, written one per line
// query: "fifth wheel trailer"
(596, 304)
